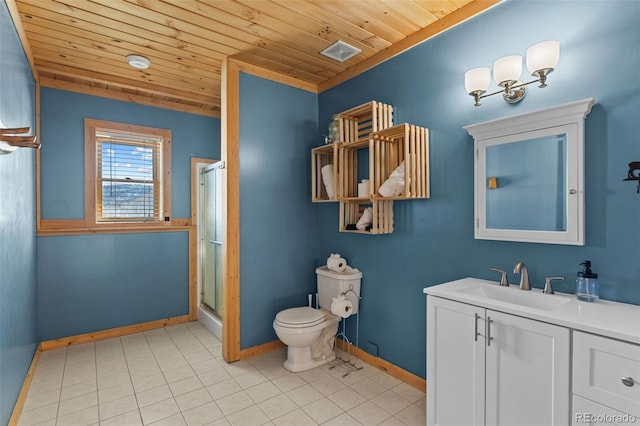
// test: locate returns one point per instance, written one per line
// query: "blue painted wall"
(278, 128)
(96, 282)
(433, 240)
(18, 313)
(111, 280)
(62, 167)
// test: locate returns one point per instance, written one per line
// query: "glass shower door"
(211, 238)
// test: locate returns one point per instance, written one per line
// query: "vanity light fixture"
(139, 62)
(541, 60)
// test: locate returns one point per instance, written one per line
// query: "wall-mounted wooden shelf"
(381, 211)
(389, 148)
(320, 157)
(370, 126)
(357, 123)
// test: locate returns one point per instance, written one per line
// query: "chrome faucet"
(503, 278)
(548, 289)
(521, 269)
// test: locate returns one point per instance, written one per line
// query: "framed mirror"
(529, 176)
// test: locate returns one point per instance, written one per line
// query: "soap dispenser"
(587, 287)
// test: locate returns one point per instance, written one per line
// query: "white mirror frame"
(563, 119)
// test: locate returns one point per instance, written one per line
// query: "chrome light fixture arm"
(512, 93)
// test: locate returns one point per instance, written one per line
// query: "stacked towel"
(394, 185)
(365, 220)
(327, 179)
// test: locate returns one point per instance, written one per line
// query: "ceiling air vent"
(340, 51)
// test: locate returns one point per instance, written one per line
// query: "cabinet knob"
(628, 381)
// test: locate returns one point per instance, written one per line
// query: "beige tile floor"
(176, 376)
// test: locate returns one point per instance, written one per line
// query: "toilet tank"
(332, 283)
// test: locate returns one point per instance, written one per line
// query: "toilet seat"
(300, 317)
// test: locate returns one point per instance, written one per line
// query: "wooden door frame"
(231, 182)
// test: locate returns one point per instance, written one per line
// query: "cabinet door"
(527, 372)
(455, 363)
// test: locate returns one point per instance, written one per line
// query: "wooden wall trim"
(397, 372)
(17, 21)
(275, 76)
(22, 396)
(126, 97)
(64, 342)
(230, 123)
(193, 274)
(261, 349)
(55, 227)
(457, 17)
(38, 155)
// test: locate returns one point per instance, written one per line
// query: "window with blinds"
(128, 178)
(127, 175)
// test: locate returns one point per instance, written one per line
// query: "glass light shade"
(544, 55)
(507, 68)
(477, 79)
(139, 62)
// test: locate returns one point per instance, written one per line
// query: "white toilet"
(310, 333)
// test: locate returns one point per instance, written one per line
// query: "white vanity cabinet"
(606, 380)
(486, 367)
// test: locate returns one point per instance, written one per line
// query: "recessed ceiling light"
(139, 62)
(340, 51)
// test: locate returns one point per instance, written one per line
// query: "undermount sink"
(528, 298)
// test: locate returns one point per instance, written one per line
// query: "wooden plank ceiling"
(80, 45)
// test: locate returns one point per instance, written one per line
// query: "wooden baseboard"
(397, 372)
(110, 333)
(22, 396)
(261, 349)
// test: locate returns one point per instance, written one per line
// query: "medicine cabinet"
(529, 175)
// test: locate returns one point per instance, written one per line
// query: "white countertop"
(606, 318)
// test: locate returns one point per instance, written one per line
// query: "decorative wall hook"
(634, 173)
(9, 141)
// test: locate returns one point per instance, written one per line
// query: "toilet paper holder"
(343, 335)
(350, 290)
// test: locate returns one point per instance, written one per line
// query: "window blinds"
(128, 178)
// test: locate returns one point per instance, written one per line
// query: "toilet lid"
(300, 317)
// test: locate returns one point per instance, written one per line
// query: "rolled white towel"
(327, 179)
(366, 219)
(394, 185)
